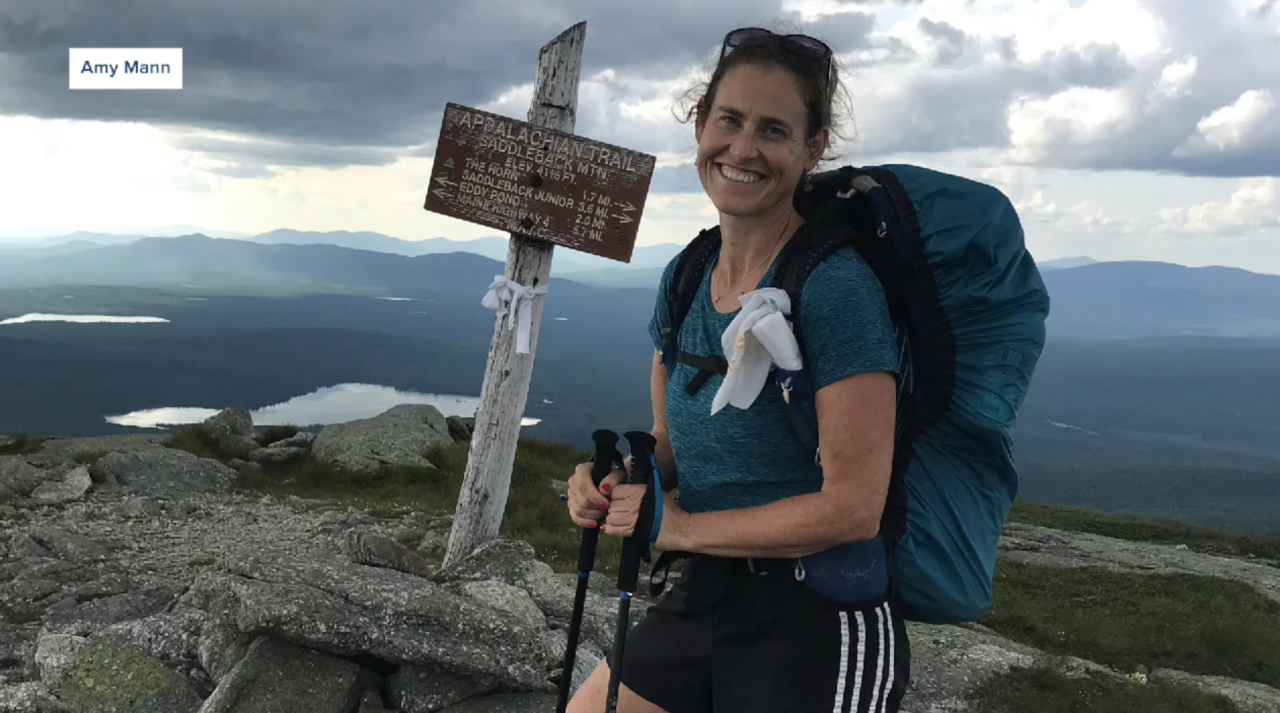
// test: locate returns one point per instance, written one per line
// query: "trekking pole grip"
(601, 465)
(636, 546)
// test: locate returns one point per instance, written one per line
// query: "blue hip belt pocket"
(849, 573)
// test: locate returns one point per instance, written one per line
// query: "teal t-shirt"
(743, 458)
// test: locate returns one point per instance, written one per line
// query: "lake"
(333, 404)
(81, 319)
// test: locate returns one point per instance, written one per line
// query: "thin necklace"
(766, 259)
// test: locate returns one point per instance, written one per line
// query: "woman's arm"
(658, 397)
(855, 434)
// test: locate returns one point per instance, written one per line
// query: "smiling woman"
(785, 603)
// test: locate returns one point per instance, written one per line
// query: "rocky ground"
(139, 581)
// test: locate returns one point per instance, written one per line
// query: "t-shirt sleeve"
(661, 319)
(846, 328)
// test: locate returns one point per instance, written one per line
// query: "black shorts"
(727, 639)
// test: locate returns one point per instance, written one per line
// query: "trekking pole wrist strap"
(656, 489)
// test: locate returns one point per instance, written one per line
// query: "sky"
(1120, 129)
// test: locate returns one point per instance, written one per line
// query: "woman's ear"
(817, 147)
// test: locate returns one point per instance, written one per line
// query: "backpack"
(968, 307)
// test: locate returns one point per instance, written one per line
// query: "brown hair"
(820, 85)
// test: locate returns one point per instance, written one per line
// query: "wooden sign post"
(547, 187)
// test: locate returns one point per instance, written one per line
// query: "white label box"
(125, 68)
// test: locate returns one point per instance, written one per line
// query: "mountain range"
(1089, 299)
(491, 247)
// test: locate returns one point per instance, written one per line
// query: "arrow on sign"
(627, 207)
(624, 218)
(443, 194)
(444, 181)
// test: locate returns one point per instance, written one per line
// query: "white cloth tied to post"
(513, 300)
(758, 339)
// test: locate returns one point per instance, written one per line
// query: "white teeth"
(736, 175)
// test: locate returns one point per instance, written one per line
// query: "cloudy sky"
(1122, 129)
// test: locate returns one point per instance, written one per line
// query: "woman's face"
(752, 148)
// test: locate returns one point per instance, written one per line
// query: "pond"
(81, 319)
(333, 404)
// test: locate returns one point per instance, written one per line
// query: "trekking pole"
(601, 465)
(634, 548)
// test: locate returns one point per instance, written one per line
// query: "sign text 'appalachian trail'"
(545, 184)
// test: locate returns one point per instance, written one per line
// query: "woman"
(751, 626)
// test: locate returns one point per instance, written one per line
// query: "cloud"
(1203, 106)
(331, 82)
(1254, 206)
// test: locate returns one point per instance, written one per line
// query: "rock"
(220, 648)
(506, 703)
(96, 614)
(164, 472)
(114, 675)
(274, 455)
(55, 656)
(434, 542)
(426, 689)
(94, 446)
(171, 637)
(20, 698)
(68, 545)
(461, 428)
(378, 551)
(301, 439)
(505, 598)
(396, 438)
(19, 476)
(232, 431)
(278, 677)
(514, 562)
(21, 546)
(138, 507)
(350, 610)
(556, 641)
(236, 421)
(69, 488)
(371, 703)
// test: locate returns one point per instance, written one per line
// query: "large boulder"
(398, 437)
(165, 472)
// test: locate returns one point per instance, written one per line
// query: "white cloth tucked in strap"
(513, 300)
(756, 340)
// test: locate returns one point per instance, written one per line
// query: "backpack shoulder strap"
(690, 267)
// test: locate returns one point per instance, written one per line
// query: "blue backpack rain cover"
(969, 309)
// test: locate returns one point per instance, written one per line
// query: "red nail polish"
(606, 488)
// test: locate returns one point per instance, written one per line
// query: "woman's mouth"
(738, 175)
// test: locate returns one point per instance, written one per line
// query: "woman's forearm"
(793, 527)
(666, 460)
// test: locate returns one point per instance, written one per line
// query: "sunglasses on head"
(800, 45)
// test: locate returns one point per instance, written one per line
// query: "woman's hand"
(588, 504)
(624, 512)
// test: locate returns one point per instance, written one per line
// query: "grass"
(1144, 529)
(1046, 690)
(534, 513)
(1193, 623)
(21, 445)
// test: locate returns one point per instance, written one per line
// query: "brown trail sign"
(538, 182)
(546, 187)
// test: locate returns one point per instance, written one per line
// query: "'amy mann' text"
(133, 67)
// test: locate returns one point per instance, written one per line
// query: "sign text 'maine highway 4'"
(548, 185)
